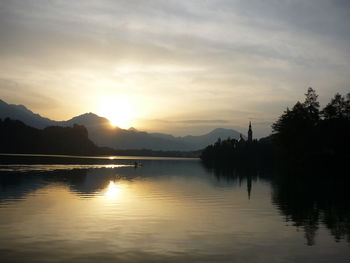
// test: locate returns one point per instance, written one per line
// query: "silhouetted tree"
(338, 108)
(295, 128)
(302, 135)
(312, 105)
(303, 116)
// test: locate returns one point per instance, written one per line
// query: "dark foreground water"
(168, 210)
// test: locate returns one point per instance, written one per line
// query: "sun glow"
(119, 111)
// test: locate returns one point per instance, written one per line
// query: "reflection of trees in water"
(306, 200)
(84, 182)
(87, 182)
(16, 185)
(234, 176)
(297, 204)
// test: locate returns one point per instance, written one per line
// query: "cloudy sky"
(181, 67)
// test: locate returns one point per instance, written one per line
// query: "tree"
(336, 109)
(295, 128)
(312, 105)
(347, 106)
(302, 116)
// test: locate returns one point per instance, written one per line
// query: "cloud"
(195, 122)
(212, 61)
(203, 121)
(22, 94)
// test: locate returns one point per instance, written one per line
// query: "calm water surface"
(166, 211)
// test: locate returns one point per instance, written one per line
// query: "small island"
(303, 137)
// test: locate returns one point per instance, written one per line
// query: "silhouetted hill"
(20, 112)
(17, 137)
(89, 119)
(103, 134)
(211, 137)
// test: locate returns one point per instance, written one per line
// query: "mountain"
(20, 112)
(17, 137)
(100, 130)
(203, 140)
(103, 134)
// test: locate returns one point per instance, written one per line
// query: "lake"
(77, 209)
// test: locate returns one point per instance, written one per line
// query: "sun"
(118, 111)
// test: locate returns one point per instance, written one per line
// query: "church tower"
(250, 133)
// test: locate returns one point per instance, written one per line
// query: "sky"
(179, 67)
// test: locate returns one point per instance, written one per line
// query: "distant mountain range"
(103, 134)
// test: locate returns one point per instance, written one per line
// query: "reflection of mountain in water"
(306, 201)
(88, 182)
(16, 185)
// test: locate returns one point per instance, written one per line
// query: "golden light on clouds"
(162, 64)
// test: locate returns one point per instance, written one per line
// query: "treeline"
(302, 135)
(17, 137)
(239, 153)
(305, 133)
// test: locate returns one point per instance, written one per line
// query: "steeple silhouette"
(250, 133)
(249, 185)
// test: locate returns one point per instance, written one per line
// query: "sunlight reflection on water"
(54, 167)
(165, 211)
(113, 191)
